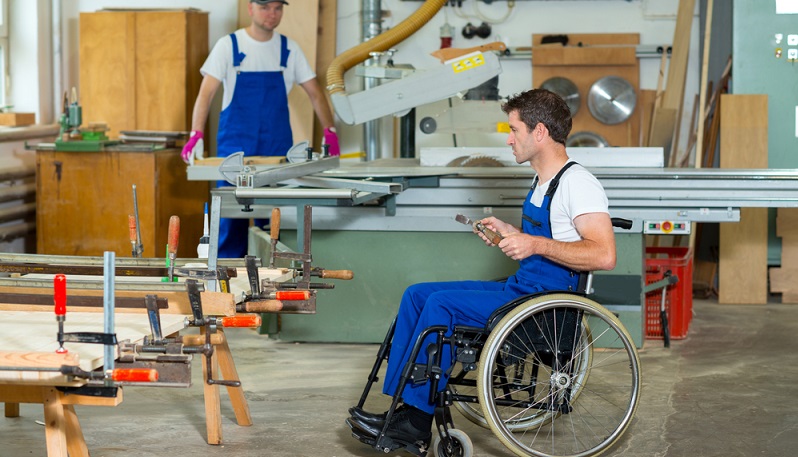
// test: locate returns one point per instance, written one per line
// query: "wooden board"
(17, 119)
(601, 55)
(36, 334)
(107, 69)
(139, 70)
(743, 246)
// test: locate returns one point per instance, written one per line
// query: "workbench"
(83, 200)
(29, 341)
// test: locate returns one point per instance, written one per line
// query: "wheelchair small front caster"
(461, 445)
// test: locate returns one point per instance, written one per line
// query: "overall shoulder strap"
(555, 182)
(237, 56)
(284, 51)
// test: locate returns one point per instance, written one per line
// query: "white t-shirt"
(579, 193)
(260, 56)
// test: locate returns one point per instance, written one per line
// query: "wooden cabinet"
(83, 200)
(139, 70)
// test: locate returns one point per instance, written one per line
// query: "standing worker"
(258, 68)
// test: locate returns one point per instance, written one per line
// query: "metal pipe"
(17, 230)
(18, 192)
(30, 132)
(14, 173)
(372, 26)
(58, 69)
(109, 351)
(17, 212)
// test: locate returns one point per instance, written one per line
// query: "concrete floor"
(729, 389)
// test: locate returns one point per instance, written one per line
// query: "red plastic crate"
(678, 297)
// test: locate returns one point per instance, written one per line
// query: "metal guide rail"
(426, 198)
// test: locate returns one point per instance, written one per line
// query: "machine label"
(468, 63)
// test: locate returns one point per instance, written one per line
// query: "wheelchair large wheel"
(530, 367)
(473, 411)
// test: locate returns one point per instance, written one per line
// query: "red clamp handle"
(59, 294)
(131, 223)
(292, 295)
(244, 320)
(134, 375)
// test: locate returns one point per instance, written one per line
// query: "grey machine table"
(391, 222)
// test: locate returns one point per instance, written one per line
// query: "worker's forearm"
(322, 109)
(200, 114)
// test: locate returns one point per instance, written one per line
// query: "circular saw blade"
(611, 100)
(566, 89)
(475, 161)
(585, 139)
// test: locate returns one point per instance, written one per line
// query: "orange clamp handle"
(244, 320)
(131, 222)
(134, 375)
(59, 294)
(274, 223)
(292, 295)
(174, 234)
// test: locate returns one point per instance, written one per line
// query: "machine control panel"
(666, 228)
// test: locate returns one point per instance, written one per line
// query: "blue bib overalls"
(256, 122)
(470, 303)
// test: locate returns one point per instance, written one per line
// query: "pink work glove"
(194, 147)
(331, 139)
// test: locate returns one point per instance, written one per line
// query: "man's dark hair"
(542, 106)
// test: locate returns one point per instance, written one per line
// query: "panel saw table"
(400, 215)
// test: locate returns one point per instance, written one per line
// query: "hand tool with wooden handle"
(274, 224)
(174, 236)
(131, 223)
(492, 236)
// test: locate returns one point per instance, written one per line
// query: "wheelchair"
(550, 374)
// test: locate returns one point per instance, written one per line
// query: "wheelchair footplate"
(385, 444)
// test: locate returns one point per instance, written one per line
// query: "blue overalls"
(256, 122)
(470, 303)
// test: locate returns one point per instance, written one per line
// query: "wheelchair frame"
(526, 344)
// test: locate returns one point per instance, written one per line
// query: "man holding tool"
(258, 67)
(562, 233)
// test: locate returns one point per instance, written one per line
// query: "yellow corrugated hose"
(380, 43)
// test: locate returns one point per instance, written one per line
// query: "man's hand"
(519, 246)
(498, 226)
(194, 148)
(331, 140)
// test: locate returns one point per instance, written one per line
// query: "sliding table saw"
(393, 220)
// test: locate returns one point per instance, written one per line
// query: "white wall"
(654, 20)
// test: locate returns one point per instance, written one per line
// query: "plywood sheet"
(108, 69)
(743, 246)
(37, 333)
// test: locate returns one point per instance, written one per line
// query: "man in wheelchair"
(565, 229)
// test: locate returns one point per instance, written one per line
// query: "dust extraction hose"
(381, 42)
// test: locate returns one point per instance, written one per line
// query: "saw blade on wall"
(566, 89)
(611, 100)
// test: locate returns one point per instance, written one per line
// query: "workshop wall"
(654, 20)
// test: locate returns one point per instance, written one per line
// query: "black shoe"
(400, 432)
(378, 420)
